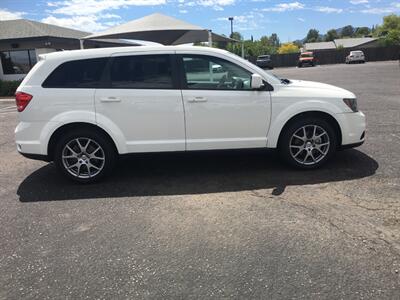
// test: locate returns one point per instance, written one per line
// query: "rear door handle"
(197, 99)
(110, 99)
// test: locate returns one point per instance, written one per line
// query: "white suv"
(81, 109)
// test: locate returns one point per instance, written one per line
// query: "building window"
(18, 61)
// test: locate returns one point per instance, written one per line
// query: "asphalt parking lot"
(213, 225)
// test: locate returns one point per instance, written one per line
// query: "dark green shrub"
(7, 88)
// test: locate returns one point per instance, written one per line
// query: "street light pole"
(231, 19)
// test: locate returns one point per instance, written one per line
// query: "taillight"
(22, 100)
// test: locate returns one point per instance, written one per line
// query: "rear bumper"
(28, 137)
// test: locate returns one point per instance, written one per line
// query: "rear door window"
(85, 73)
(142, 72)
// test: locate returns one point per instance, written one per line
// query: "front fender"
(281, 115)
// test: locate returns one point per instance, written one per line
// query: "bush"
(7, 88)
(288, 48)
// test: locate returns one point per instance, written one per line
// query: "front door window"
(212, 73)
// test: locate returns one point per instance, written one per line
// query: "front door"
(142, 102)
(221, 109)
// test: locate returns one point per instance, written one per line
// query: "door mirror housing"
(257, 82)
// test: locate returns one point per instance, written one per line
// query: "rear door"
(141, 100)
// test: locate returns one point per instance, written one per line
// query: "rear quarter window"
(84, 73)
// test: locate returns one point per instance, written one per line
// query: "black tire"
(285, 150)
(98, 139)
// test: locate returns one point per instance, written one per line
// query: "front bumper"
(353, 127)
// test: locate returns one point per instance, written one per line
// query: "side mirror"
(256, 82)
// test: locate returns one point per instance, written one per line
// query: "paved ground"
(230, 224)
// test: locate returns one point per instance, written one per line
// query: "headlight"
(352, 104)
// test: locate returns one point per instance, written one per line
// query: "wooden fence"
(336, 56)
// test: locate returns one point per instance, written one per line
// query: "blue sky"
(289, 19)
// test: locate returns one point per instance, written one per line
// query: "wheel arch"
(73, 126)
(307, 114)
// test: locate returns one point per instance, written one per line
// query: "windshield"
(306, 55)
(264, 57)
(255, 69)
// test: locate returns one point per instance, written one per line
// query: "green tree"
(348, 31)
(362, 31)
(274, 40)
(391, 22)
(236, 36)
(392, 38)
(331, 35)
(390, 30)
(312, 36)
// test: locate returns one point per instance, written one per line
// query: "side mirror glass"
(256, 82)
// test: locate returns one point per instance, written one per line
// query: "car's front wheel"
(308, 143)
(85, 156)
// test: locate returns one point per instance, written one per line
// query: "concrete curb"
(7, 100)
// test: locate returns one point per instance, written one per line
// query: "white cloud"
(90, 15)
(282, 7)
(88, 7)
(301, 19)
(214, 4)
(10, 15)
(250, 21)
(356, 2)
(84, 23)
(393, 8)
(328, 10)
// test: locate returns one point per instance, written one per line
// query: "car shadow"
(194, 173)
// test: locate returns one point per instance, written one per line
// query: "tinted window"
(85, 73)
(142, 72)
(212, 73)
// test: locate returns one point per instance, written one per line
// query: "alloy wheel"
(309, 144)
(83, 157)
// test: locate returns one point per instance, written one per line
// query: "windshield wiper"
(285, 81)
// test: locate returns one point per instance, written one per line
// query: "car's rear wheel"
(85, 156)
(308, 143)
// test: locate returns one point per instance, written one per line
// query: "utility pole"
(231, 19)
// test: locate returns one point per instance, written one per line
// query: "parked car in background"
(84, 108)
(307, 59)
(264, 62)
(355, 57)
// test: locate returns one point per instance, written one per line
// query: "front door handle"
(110, 99)
(197, 99)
